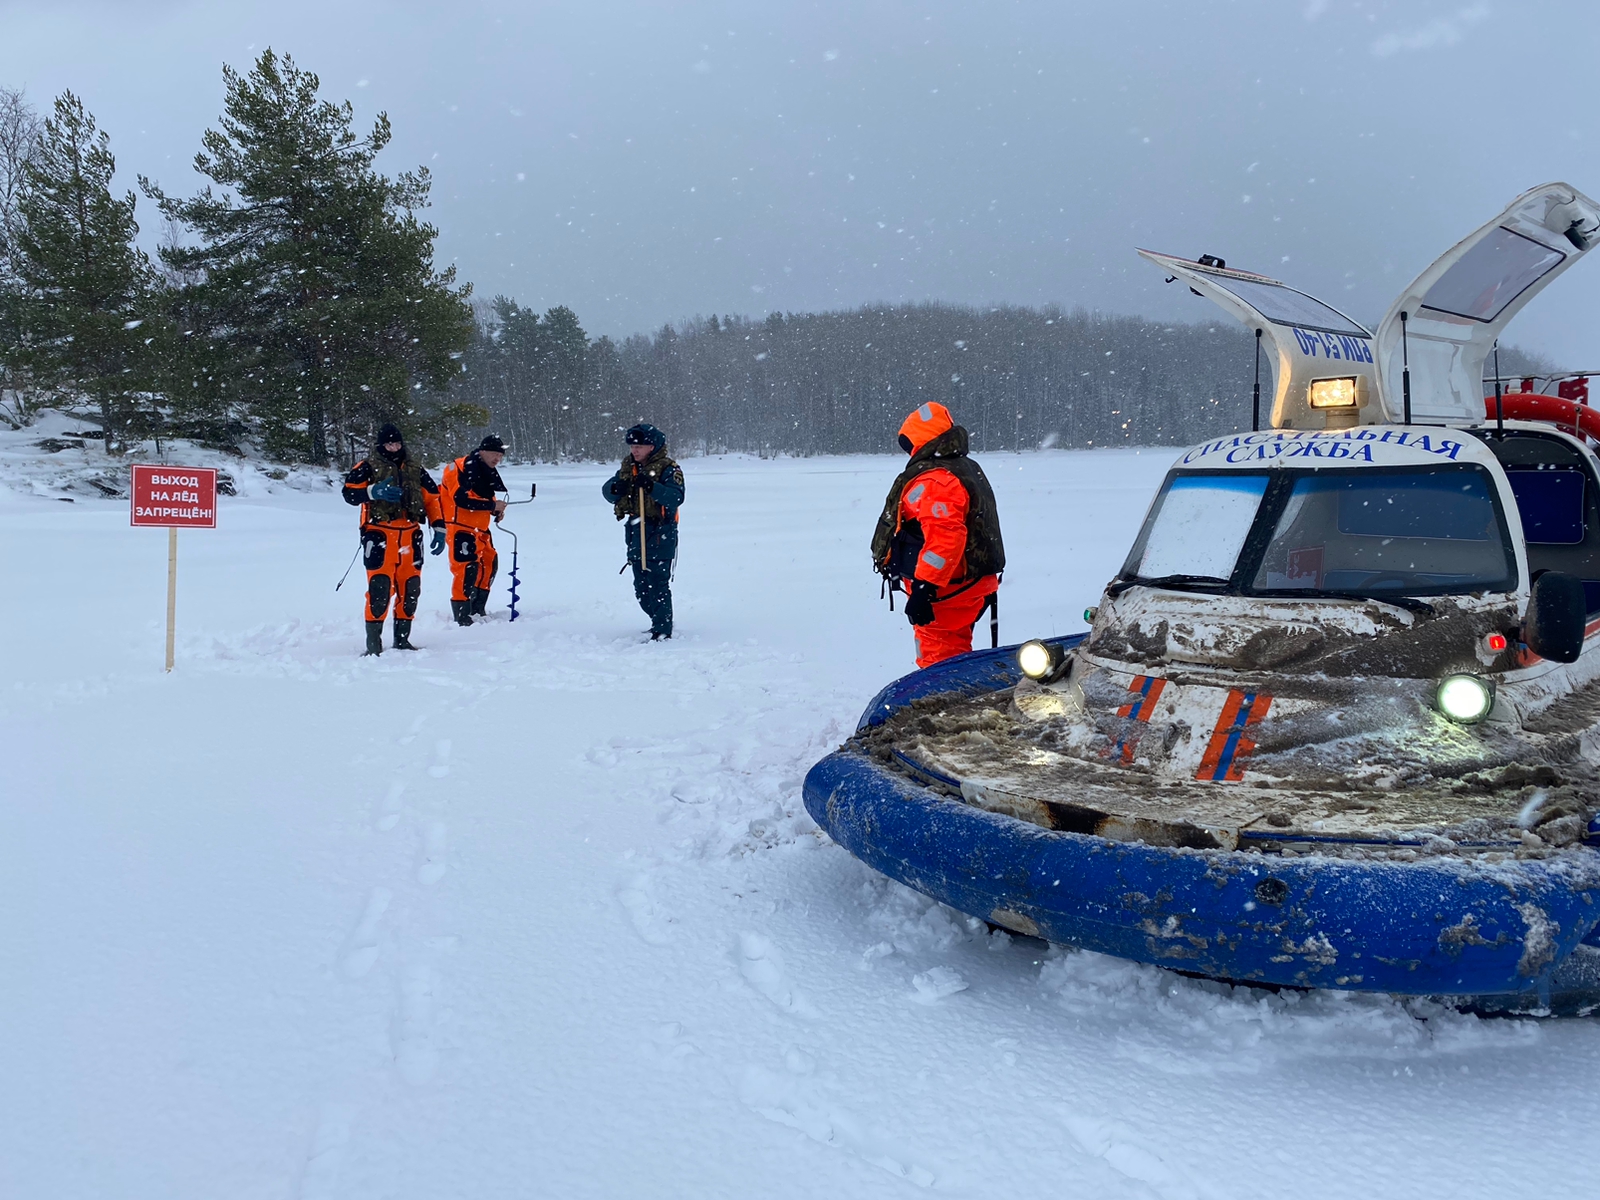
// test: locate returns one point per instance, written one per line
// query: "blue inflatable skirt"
(1507, 935)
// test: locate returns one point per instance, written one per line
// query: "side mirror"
(1557, 614)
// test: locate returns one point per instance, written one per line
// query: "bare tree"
(19, 135)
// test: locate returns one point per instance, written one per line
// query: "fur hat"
(643, 434)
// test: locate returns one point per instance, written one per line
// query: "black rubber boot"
(480, 602)
(374, 637)
(402, 635)
(462, 611)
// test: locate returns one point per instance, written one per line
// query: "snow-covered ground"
(537, 912)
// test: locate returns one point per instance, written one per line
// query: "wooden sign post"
(174, 498)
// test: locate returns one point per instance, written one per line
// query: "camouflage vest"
(895, 547)
(409, 475)
(627, 505)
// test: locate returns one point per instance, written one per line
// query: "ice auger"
(533, 490)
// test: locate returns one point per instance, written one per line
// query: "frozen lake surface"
(538, 912)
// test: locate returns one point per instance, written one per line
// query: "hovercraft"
(1336, 721)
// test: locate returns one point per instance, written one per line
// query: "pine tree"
(608, 396)
(563, 369)
(85, 286)
(316, 275)
(511, 361)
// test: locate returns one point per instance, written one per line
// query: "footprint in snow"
(762, 967)
(441, 759)
(320, 1180)
(648, 920)
(602, 756)
(794, 1099)
(361, 951)
(433, 850)
(414, 1051)
(670, 1045)
(391, 806)
(1127, 1154)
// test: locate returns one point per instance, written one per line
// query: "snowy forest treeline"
(293, 305)
(841, 382)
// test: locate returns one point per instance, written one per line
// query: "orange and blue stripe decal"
(1228, 748)
(1144, 691)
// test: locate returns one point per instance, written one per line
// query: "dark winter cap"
(644, 434)
(492, 442)
(390, 433)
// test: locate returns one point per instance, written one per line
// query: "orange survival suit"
(396, 496)
(468, 490)
(939, 535)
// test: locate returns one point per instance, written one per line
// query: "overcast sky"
(644, 162)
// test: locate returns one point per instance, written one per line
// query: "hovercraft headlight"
(1465, 698)
(1037, 659)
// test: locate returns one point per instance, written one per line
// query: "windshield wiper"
(1409, 603)
(1177, 582)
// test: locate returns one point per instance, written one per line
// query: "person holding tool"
(646, 492)
(396, 497)
(470, 484)
(939, 537)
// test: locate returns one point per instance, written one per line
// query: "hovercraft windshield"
(1416, 531)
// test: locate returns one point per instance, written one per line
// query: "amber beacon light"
(1333, 393)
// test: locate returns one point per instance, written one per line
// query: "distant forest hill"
(841, 382)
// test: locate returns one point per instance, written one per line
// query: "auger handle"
(644, 564)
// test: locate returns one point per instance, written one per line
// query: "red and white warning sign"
(175, 497)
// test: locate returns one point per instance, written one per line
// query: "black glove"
(644, 480)
(919, 605)
(438, 541)
(386, 490)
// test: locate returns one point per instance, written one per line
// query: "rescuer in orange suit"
(469, 502)
(396, 497)
(939, 536)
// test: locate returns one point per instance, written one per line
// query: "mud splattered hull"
(1434, 927)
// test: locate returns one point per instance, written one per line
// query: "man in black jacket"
(646, 492)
